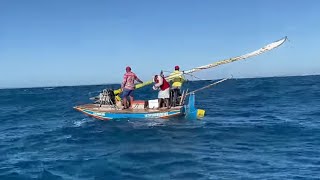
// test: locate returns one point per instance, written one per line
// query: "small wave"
(81, 122)
(156, 122)
(48, 88)
(93, 93)
(147, 123)
(78, 123)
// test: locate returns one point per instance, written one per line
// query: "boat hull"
(102, 113)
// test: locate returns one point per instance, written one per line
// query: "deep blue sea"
(260, 128)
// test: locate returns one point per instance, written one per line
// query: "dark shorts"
(127, 92)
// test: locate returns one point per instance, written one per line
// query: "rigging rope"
(207, 86)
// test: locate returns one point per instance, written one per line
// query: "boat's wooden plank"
(97, 108)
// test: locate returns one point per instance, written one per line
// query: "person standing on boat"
(128, 87)
(163, 86)
(177, 82)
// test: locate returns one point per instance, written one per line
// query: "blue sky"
(77, 42)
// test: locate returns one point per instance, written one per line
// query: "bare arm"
(139, 80)
(160, 82)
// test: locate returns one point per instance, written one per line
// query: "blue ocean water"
(264, 128)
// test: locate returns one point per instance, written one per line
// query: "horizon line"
(59, 86)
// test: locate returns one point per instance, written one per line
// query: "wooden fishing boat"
(111, 111)
(108, 112)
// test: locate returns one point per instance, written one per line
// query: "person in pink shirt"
(128, 87)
